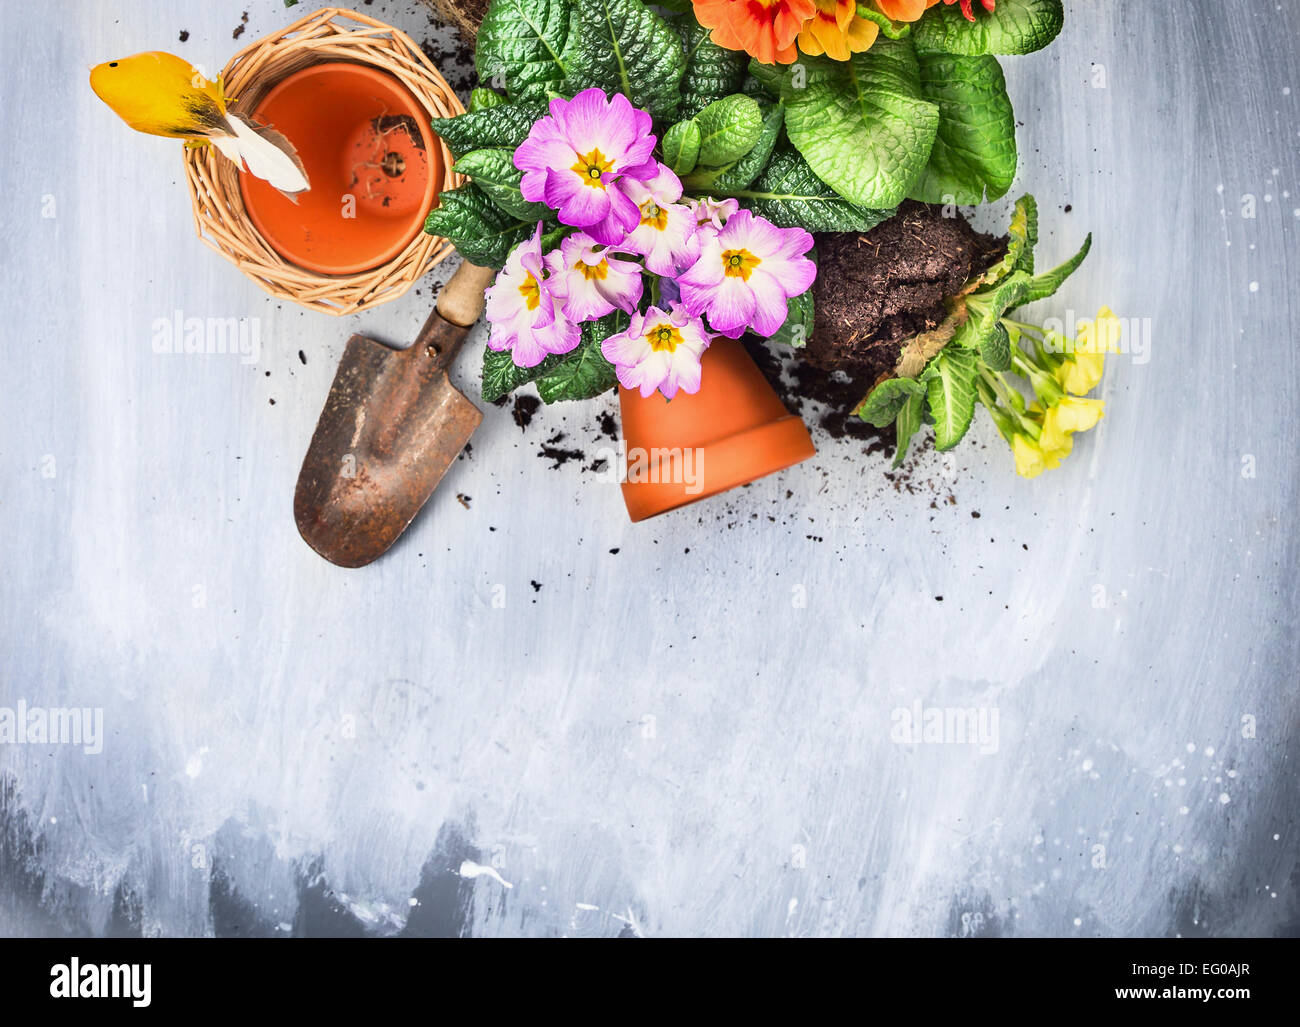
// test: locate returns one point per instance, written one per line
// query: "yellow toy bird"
(163, 95)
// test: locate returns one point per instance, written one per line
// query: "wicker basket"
(330, 34)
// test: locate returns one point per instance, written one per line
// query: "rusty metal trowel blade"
(392, 425)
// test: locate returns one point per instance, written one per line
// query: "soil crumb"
(525, 407)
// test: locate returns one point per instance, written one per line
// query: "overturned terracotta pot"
(733, 431)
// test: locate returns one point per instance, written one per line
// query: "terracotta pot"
(732, 431)
(371, 159)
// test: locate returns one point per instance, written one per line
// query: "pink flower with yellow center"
(579, 159)
(589, 280)
(663, 235)
(746, 274)
(521, 309)
(660, 350)
(710, 215)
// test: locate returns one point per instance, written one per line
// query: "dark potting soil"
(876, 289)
(820, 397)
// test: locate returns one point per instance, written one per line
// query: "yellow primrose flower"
(1029, 458)
(1073, 414)
(1082, 370)
(1055, 442)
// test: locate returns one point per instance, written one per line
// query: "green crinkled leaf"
(862, 125)
(950, 395)
(1022, 237)
(910, 415)
(501, 375)
(481, 99)
(974, 153)
(584, 372)
(882, 407)
(623, 46)
(768, 76)
(741, 173)
(505, 125)
(729, 128)
(482, 232)
(1046, 284)
(995, 350)
(798, 327)
(681, 147)
(493, 170)
(789, 195)
(520, 47)
(987, 308)
(1017, 26)
(712, 71)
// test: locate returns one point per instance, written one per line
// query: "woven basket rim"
(327, 35)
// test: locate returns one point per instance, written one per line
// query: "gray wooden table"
(535, 718)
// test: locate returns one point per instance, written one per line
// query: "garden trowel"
(391, 427)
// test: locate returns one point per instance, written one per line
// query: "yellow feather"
(163, 95)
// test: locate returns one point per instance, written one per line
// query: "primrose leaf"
(623, 46)
(729, 128)
(909, 419)
(986, 309)
(741, 173)
(681, 147)
(862, 124)
(884, 403)
(501, 375)
(789, 195)
(1022, 238)
(1046, 284)
(493, 170)
(768, 76)
(974, 154)
(520, 46)
(506, 125)
(584, 372)
(1017, 26)
(995, 350)
(712, 71)
(950, 395)
(798, 327)
(482, 232)
(481, 99)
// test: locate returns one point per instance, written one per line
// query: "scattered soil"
(820, 397)
(239, 29)
(560, 455)
(466, 15)
(875, 290)
(525, 407)
(455, 61)
(185, 34)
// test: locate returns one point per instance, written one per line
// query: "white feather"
(262, 157)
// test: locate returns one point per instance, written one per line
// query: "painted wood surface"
(533, 717)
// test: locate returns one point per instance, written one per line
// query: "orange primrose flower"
(764, 29)
(989, 5)
(904, 10)
(836, 31)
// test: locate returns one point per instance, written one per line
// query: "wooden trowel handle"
(461, 299)
(460, 304)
